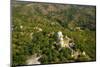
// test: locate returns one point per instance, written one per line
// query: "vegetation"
(34, 28)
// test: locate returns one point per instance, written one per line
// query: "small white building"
(38, 29)
(59, 35)
(21, 27)
(63, 42)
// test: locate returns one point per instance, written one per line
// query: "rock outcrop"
(33, 60)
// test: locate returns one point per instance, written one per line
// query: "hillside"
(35, 27)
